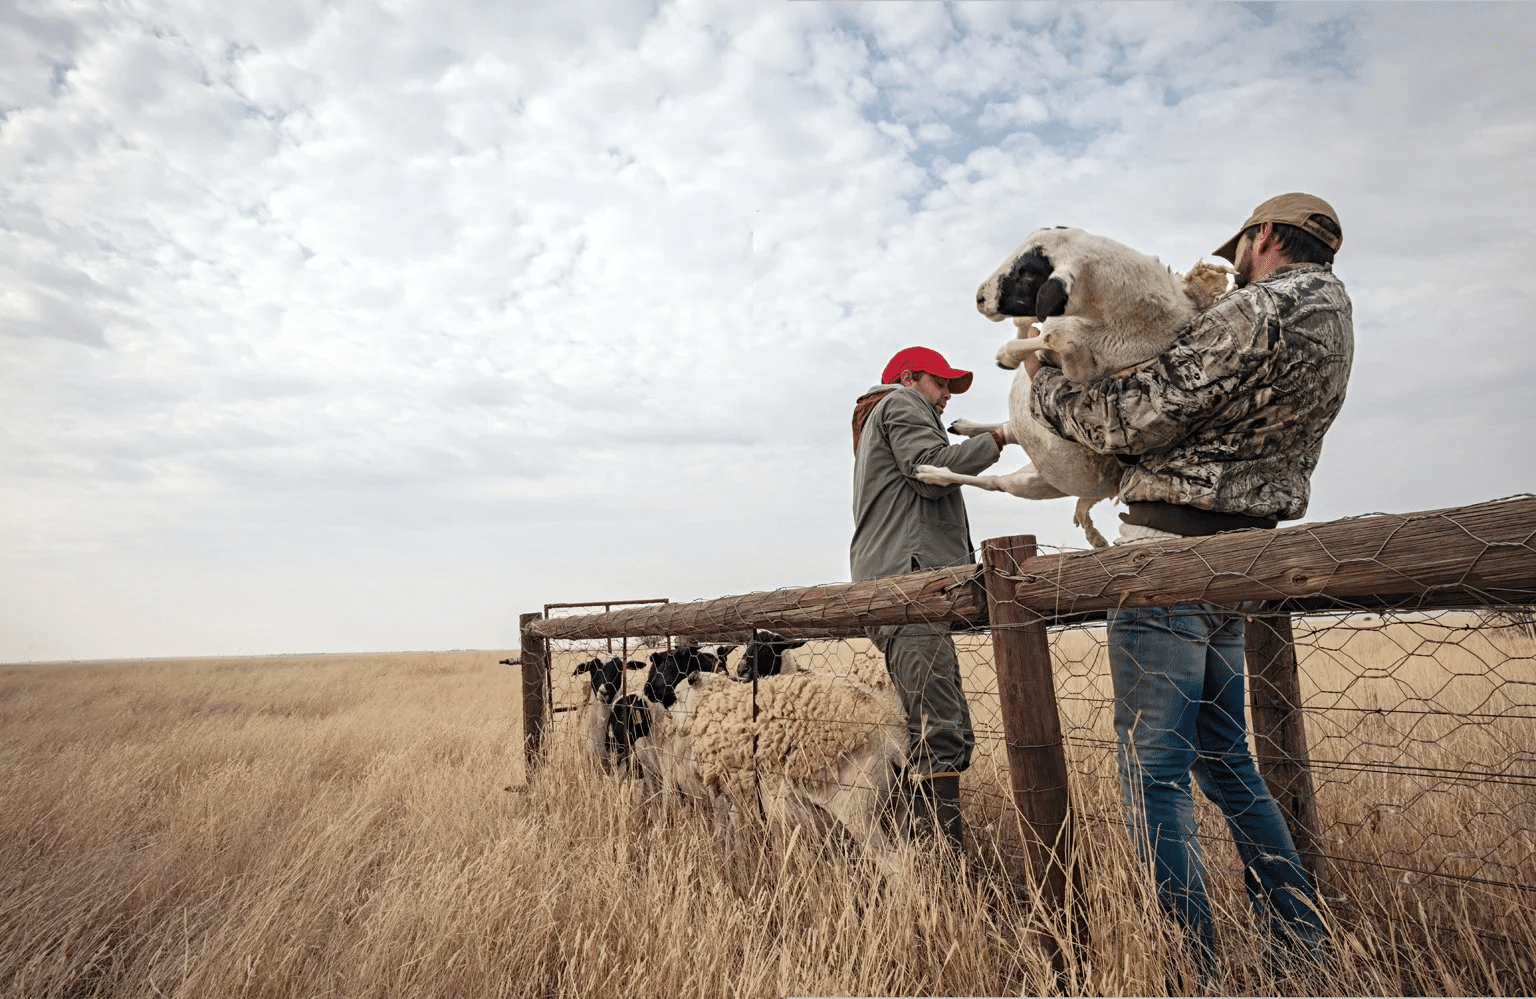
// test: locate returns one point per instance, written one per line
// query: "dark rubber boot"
(946, 799)
(936, 810)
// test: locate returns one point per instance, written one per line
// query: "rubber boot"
(936, 807)
(946, 795)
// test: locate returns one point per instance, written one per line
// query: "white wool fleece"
(807, 724)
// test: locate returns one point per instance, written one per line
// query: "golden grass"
(342, 826)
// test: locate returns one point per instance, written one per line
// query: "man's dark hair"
(1300, 246)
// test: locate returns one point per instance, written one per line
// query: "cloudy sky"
(349, 326)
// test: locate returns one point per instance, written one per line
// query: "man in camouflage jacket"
(1220, 432)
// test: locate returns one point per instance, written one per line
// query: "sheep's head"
(606, 675)
(764, 655)
(1026, 284)
(667, 670)
(688, 694)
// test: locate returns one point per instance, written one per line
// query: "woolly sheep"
(816, 747)
(609, 725)
(1100, 307)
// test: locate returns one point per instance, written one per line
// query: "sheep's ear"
(795, 645)
(1051, 300)
(693, 678)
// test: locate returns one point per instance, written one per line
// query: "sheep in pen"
(801, 747)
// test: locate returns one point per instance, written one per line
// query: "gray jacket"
(1231, 417)
(901, 523)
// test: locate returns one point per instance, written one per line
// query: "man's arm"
(915, 440)
(1154, 407)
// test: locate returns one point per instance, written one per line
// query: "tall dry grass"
(343, 826)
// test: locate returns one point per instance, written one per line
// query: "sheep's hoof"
(933, 475)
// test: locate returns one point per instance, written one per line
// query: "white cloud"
(584, 292)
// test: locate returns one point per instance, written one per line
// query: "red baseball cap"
(929, 360)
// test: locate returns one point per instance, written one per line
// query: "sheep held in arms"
(1098, 307)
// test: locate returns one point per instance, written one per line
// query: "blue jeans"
(1179, 700)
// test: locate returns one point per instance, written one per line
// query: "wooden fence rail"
(1461, 557)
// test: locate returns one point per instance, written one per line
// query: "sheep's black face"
(667, 671)
(1017, 290)
(764, 655)
(605, 676)
(1029, 290)
(692, 660)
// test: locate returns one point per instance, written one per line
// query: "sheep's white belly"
(1070, 467)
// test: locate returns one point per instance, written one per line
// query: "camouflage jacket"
(1230, 417)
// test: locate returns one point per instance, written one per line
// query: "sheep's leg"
(648, 760)
(1026, 483)
(856, 799)
(1081, 519)
(593, 728)
(1012, 354)
(970, 428)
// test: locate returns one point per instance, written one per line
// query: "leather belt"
(1190, 521)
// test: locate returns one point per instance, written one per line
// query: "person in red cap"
(903, 525)
(1220, 432)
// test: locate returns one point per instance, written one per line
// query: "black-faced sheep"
(767, 654)
(668, 669)
(692, 658)
(592, 723)
(609, 724)
(1099, 307)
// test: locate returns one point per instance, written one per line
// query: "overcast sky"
(360, 327)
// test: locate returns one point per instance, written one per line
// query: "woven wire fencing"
(1411, 655)
(1421, 738)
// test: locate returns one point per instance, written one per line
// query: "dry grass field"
(362, 826)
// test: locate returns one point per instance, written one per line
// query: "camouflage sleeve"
(1154, 407)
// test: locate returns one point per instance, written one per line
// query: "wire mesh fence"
(1409, 652)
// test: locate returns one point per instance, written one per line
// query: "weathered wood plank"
(1462, 556)
(1280, 735)
(840, 608)
(1487, 547)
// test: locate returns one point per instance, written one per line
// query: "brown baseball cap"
(1293, 209)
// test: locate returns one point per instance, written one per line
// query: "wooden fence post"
(534, 652)
(1037, 762)
(1280, 735)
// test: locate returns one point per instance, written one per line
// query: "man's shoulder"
(903, 400)
(1303, 280)
(1278, 292)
